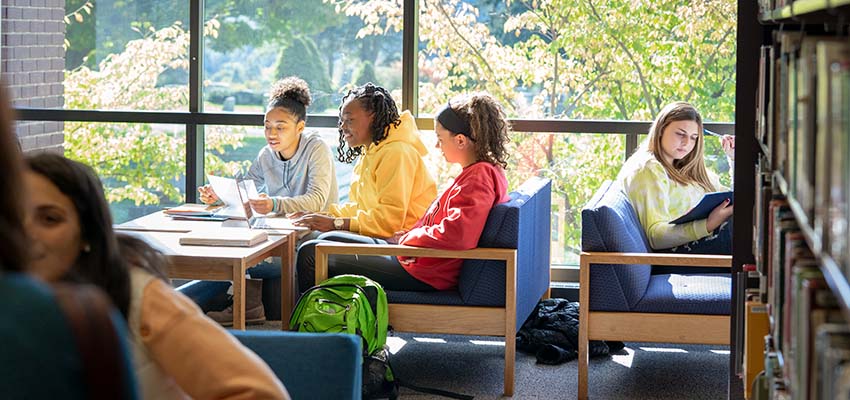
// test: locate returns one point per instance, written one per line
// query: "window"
(248, 48)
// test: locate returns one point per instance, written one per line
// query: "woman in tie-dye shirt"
(666, 177)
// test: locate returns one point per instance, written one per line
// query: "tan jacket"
(179, 353)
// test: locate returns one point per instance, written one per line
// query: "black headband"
(451, 121)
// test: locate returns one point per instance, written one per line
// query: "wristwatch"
(338, 223)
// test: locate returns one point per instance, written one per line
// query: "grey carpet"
(656, 371)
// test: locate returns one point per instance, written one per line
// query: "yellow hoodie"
(391, 187)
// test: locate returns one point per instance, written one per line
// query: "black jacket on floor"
(551, 334)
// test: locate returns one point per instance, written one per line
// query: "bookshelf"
(791, 253)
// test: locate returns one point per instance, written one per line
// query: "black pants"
(385, 270)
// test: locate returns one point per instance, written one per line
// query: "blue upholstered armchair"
(626, 295)
(500, 283)
(310, 365)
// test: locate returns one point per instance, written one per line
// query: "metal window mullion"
(194, 132)
(409, 57)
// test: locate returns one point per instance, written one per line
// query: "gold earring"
(86, 248)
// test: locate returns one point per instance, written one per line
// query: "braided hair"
(293, 95)
(378, 102)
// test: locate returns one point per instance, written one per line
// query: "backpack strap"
(438, 392)
(102, 355)
(421, 389)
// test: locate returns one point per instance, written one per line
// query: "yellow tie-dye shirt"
(657, 200)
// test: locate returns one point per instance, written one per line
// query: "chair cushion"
(688, 294)
(443, 298)
(609, 224)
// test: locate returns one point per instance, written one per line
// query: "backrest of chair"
(523, 223)
(310, 365)
(609, 224)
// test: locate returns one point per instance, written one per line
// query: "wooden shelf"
(803, 9)
(837, 282)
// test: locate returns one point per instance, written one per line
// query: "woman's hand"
(718, 216)
(208, 196)
(316, 222)
(263, 204)
(396, 237)
(728, 144)
(297, 214)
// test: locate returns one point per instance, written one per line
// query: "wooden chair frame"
(644, 327)
(458, 320)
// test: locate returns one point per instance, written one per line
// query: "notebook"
(230, 237)
(201, 212)
(705, 206)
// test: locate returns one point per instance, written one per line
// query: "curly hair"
(489, 125)
(293, 95)
(377, 101)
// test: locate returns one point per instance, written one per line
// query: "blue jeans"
(385, 270)
(212, 295)
(718, 242)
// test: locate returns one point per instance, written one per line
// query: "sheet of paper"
(226, 190)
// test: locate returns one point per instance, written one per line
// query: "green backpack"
(345, 303)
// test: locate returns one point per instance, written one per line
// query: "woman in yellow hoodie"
(391, 187)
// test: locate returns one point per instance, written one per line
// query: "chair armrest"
(689, 260)
(325, 249)
(310, 365)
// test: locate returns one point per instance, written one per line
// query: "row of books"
(801, 214)
(800, 306)
(803, 122)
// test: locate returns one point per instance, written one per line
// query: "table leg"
(287, 280)
(239, 295)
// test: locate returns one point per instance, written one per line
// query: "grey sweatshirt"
(305, 182)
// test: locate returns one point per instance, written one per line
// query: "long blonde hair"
(691, 168)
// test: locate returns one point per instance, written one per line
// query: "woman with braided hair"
(391, 186)
(472, 131)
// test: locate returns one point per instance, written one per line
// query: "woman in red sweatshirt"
(472, 130)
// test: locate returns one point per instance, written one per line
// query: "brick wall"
(32, 61)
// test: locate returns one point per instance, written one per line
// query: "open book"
(709, 202)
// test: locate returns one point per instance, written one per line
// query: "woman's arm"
(202, 358)
(649, 192)
(395, 174)
(466, 210)
(319, 172)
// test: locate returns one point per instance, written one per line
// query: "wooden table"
(219, 263)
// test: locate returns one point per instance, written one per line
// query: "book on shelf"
(756, 326)
(817, 306)
(833, 59)
(832, 349)
(797, 255)
(782, 221)
(227, 237)
(762, 94)
(805, 133)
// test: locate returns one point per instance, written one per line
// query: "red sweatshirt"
(455, 222)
